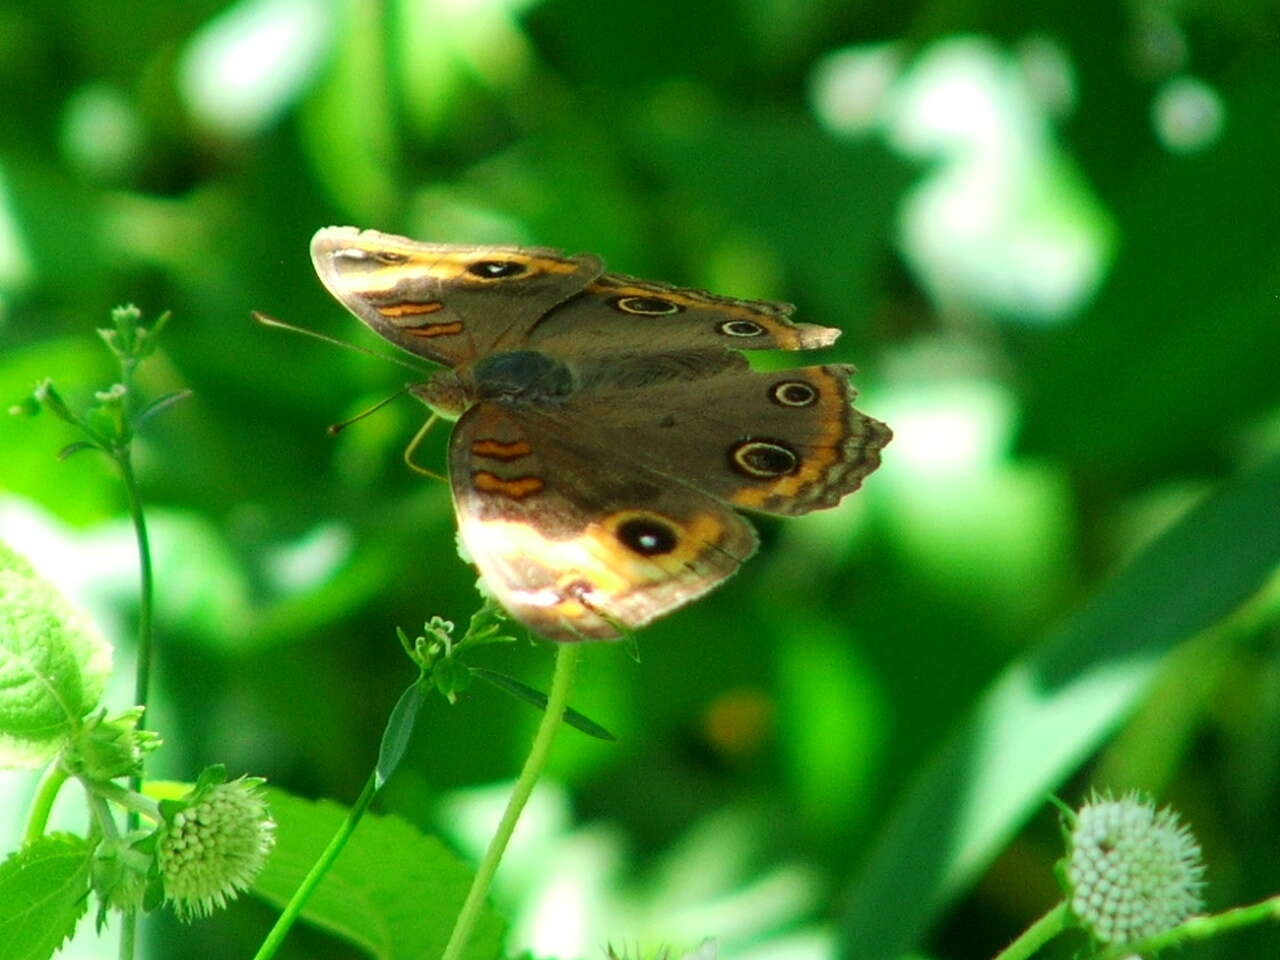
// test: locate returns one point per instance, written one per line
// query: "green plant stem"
(1037, 935)
(128, 933)
(132, 801)
(142, 673)
(42, 803)
(106, 822)
(566, 661)
(318, 869)
(1199, 928)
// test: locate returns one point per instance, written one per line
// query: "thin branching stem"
(566, 661)
(318, 869)
(1037, 935)
(142, 673)
(1199, 928)
(132, 801)
(42, 803)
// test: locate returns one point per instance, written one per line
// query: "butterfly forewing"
(619, 315)
(450, 304)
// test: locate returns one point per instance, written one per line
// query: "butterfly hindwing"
(578, 545)
(785, 442)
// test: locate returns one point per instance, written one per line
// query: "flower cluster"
(213, 844)
(1134, 872)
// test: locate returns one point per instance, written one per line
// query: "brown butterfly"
(607, 426)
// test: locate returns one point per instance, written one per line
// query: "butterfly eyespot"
(496, 269)
(647, 537)
(646, 306)
(741, 328)
(390, 257)
(793, 393)
(763, 459)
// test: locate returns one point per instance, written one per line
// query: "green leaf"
(71, 449)
(210, 776)
(44, 890)
(160, 403)
(53, 665)
(529, 695)
(1049, 710)
(395, 738)
(394, 892)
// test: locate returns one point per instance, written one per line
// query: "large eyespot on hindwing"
(646, 534)
(793, 393)
(760, 459)
(645, 306)
(496, 269)
(740, 328)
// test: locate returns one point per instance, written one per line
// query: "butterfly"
(607, 426)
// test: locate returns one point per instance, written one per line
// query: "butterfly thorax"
(521, 376)
(517, 376)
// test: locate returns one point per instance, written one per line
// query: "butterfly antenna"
(336, 428)
(412, 448)
(267, 321)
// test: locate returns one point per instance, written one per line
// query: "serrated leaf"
(53, 665)
(394, 892)
(44, 890)
(399, 730)
(529, 695)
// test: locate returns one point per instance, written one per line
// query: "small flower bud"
(106, 749)
(52, 401)
(106, 418)
(1133, 871)
(123, 339)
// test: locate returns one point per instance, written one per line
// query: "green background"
(1049, 235)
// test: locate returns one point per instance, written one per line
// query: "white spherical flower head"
(1134, 871)
(210, 851)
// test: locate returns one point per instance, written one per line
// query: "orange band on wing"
(517, 488)
(408, 308)
(434, 329)
(498, 450)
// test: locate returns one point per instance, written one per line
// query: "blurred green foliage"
(1048, 232)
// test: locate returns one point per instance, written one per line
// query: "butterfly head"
(445, 393)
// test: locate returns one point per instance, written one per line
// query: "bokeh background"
(1049, 233)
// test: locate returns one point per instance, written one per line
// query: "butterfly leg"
(412, 448)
